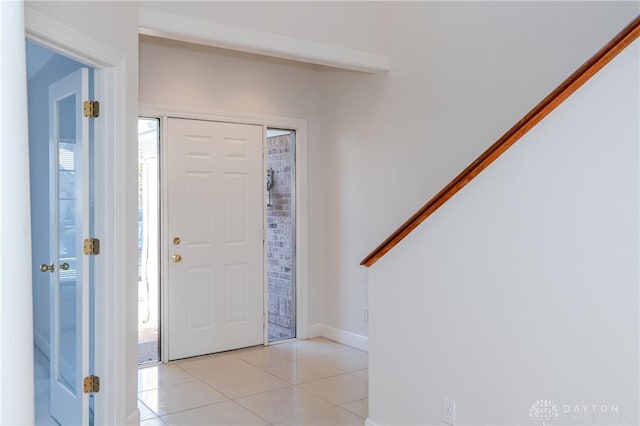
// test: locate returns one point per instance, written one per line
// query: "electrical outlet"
(365, 313)
(449, 411)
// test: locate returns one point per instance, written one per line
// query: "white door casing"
(69, 210)
(114, 214)
(215, 207)
(163, 112)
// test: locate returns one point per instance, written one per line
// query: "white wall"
(462, 73)
(184, 75)
(115, 24)
(16, 337)
(524, 286)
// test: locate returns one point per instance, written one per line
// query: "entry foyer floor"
(309, 382)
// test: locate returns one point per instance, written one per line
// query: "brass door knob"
(177, 258)
(64, 266)
(44, 267)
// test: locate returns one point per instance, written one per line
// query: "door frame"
(163, 112)
(110, 213)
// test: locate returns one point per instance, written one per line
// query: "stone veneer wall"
(280, 229)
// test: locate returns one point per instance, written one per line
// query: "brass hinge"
(91, 384)
(91, 109)
(91, 246)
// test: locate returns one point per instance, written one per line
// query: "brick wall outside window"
(280, 228)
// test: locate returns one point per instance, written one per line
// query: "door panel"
(69, 202)
(215, 207)
(236, 203)
(236, 294)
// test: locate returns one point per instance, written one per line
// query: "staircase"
(522, 285)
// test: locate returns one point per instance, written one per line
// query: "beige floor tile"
(185, 396)
(145, 412)
(223, 414)
(236, 383)
(363, 374)
(365, 378)
(268, 355)
(196, 391)
(338, 389)
(156, 421)
(347, 360)
(303, 370)
(207, 366)
(359, 408)
(332, 417)
(317, 347)
(283, 404)
(162, 375)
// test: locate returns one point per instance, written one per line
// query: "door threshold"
(149, 364)
(277, 342)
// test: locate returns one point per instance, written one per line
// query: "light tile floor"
(313, 382)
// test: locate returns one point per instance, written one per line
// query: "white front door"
(215, 237)
(68, 268)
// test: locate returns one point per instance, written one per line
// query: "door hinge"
(91, 246)
(91, 109)
(91, 384)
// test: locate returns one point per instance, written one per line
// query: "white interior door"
(215, 224)
(69, 191)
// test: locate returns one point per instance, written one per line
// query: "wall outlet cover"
(449, 411)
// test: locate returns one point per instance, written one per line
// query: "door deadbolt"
(176, 240)
(177, 258)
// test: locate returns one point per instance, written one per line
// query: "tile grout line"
(263, 368)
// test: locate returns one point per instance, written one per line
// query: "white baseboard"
(314, 330)
(134, 418)
(370, 422)
(345, 337)
(41, 343)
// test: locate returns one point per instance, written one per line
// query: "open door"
(215, 230)
(68, 267)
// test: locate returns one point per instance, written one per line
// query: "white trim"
(163, 112)
(67, 41)
(315, 330)
(163, 150)
(369, 422)
(265, 278)
(111, 210)
(193, 30)
(133, 419)
(345, 337)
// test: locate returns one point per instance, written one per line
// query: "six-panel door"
(215, 236)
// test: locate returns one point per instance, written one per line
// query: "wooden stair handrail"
(627, 36)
